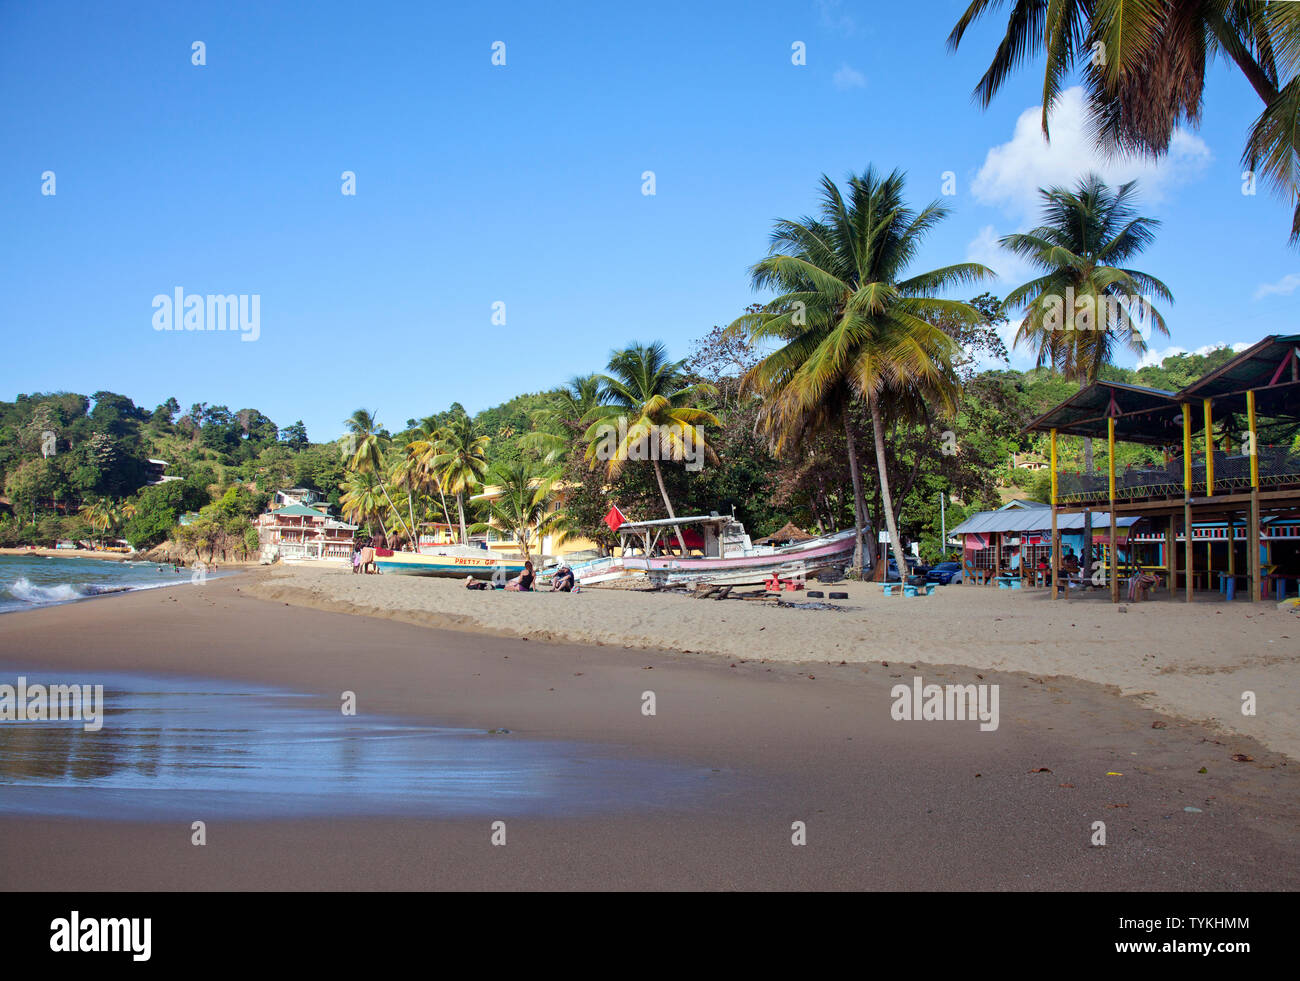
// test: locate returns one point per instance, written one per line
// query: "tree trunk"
(445, 513)
(460, 509)
(397, 513)
(886, 502)
(659, 476)
(859, 504)
(410, 510)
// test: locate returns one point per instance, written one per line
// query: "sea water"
(194, 748)
(30, 581)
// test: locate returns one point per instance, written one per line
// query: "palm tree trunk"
(460, 507)
(410, 508)
(886, 501)
(445, 513)
(859, 503)
(393, 507)
(659, 476)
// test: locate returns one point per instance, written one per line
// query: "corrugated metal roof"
(1037, 519)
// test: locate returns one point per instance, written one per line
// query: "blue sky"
(519, 184)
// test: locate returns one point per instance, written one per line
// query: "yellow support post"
(1209, 450)
(1254, 445)
(1187, 450)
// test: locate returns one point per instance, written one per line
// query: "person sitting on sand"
(562, 582)
(523, 583)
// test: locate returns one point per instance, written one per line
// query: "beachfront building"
(296, 532)
(1227, 452)
(1011, 541)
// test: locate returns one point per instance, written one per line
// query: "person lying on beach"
(523, 583)
(562, 582)
(472, 583)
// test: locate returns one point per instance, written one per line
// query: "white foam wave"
(26, 591)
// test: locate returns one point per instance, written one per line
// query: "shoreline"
(83, 553)
(1193, 663)
(70, 553)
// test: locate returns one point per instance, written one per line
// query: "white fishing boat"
(728, 557)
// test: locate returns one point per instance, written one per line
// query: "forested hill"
(60, 452)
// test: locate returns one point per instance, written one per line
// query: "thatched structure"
(789, 533)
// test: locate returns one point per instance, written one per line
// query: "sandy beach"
(1193, 662)
(766, 740)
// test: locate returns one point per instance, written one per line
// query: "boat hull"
(792, 561)
(449, 566)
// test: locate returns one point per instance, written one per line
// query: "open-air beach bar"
(1230, 472)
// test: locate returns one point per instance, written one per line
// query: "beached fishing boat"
(450, 560)
(728, 556)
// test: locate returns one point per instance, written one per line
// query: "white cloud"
(849, 78)
(834, 17)
(1013, 172)
(1011, 269)
(1283, 287)
(1154, 356)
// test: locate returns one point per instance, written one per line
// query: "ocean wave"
(28, 592)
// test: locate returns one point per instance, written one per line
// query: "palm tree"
(460, 462)
(572, 403)
(1144, 68)
(853, 325)
(101, 517)
(523, 507)
(361, 500)
(363, 446)
(652, 397)
(421, 452)
(1086, 237)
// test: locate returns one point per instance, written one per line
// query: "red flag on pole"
(614, 518)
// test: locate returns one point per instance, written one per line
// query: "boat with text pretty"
(454, 561)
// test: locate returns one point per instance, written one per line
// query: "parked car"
(945, 574)
(916, 571)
